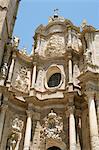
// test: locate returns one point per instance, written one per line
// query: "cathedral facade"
(49, 100)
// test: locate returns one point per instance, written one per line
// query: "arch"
(55, 143)
(53, 148)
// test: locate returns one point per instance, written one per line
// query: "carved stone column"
(29, 78)
(11, 69)
(70, 70)
(34, 75)
(72, 130)
(69, 37)
(97, 105)
(28, 130)
(33, 80)
(2, 118)
(94, 136)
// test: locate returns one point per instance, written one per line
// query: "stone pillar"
(69, 37)
(70, 83)
(72, 130)
(2, 119)
(29, 79)
(94, 136)
(70, 69)
(33, 76)
(11, 69)
(33, 80)
(28, 130)
(97, 105)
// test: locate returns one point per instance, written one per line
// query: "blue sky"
(32, 13)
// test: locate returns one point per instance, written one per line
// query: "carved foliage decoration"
(15, 136)
(52, 127)
(21, 81)
(55, 46)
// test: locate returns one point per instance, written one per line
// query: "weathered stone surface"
(50, 98)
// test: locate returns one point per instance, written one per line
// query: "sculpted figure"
(12, 142)
(88, 56)
(15, 41)
(16, 135)
(4, 69)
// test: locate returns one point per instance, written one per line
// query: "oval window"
(54, 80)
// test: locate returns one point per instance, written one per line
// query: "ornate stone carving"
(55, 46)
(4, 69)
(23, 51)
(52, 127)
(15, 42)
(21, 82)
(16, 134)
(88, 56)
(17, 124)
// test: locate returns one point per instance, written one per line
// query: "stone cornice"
(24, 57)
(42, 30)
(87, 76)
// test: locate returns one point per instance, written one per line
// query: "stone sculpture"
(52, 127)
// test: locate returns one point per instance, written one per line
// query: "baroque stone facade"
(49, 100)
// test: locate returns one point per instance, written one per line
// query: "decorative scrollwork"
(52, 127)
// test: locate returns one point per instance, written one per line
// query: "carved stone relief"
(21, 81)
(88, 56)
(52, 127)
(55, 46)
(15, 42)
(15, 136)
(76, 73)
(4, 69)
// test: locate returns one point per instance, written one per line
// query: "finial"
(56, 11)
(84, 23)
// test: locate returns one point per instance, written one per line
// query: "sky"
(32, 13)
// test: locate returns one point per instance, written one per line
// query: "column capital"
(14, 55)
(89, 95)
(29, 113)
(70, 110)
(34, 63)
(70, 54)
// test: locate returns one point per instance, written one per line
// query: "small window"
(54, 80)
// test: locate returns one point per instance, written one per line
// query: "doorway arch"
(54, 148)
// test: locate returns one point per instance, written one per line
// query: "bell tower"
(8, 12)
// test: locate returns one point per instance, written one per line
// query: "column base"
(73, 147)
(70, 86)
(32, 92)
(8, 83)
(26, 148)
(95, 143)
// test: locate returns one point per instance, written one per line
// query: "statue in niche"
(55, 46)
(21, 82)
(52, 127)
(16, 134)
(88, 56)
(4, 69)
